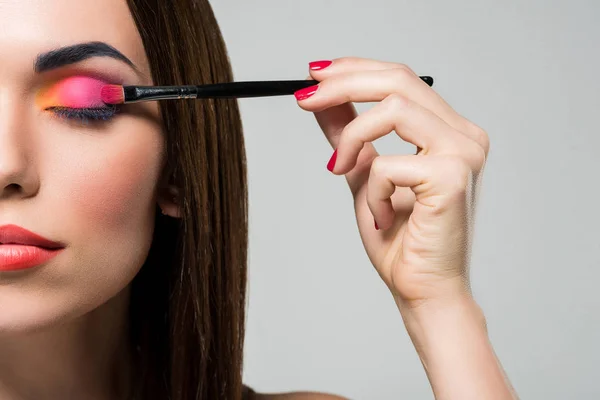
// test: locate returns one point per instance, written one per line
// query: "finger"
(332, 122)
(413, 123)
(407, 83)
(327, 68)
(357, 87)
(436, 181)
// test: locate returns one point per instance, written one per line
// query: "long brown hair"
(188, 301)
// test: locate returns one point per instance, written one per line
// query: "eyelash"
(85, 115)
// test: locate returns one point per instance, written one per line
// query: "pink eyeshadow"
(73, 92)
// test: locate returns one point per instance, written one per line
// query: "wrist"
(437, 309)
(451, 339)
(434, 293)
(430, 321)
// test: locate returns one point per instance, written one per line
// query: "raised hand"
(414, 212)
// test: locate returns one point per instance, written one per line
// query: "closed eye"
(85, 115)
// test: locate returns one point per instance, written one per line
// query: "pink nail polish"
(319, 65)
(332, 160)
(305, 93)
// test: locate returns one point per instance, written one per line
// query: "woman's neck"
(86, 358)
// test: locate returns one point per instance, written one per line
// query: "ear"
(168, 201)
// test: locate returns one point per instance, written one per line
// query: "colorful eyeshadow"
(73, 92)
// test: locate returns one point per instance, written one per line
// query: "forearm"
(452, 341)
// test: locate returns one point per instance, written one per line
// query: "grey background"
(527, 71)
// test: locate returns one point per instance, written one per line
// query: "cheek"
(98, 191)
(107, 183)
(110, 193)
(111, 196)
(115, 189)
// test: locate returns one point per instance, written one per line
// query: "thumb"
(440, 184)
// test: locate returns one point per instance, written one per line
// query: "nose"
(17, 175)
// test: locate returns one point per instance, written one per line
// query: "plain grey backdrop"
(526, 71)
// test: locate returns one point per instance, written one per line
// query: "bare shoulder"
(298, 396)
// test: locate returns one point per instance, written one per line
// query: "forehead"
(30, 27)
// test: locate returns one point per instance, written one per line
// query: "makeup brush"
(117, 94)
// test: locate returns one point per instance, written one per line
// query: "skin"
(95, 188)
(423, 205)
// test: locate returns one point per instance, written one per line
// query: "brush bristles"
(112, 94)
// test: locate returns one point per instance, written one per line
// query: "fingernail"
(376, 226)
(319, 65)
(305, 93)
(332, 160)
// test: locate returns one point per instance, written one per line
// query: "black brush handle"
(261, 88)
(229, 90)
(252, 89)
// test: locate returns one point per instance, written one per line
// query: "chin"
(76, 286)
(22, 312)
(27, 311)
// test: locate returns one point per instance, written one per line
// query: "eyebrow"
(67, 55)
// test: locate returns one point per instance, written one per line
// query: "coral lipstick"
(21, 249)
(18, 257)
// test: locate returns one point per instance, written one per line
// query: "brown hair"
(188, 301)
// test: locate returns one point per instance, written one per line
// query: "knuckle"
(395, 102)
(470, 153)
(342, 60)
(406, 68)
(456, 173)
(348, 60)
(351, 133)
(478, 157)
(346, 136)
(481, 136)
(402, 75)
(377, 167)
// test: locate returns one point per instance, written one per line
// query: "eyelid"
(96, 68)
(77, 91)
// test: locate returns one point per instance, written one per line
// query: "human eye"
(85, 114)
(77, 98)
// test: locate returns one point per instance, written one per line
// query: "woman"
(142, 289)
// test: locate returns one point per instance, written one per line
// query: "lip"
(21, 249)
(13, 234)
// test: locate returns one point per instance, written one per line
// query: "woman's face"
(93, 187)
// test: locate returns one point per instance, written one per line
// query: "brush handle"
(261, 88)
(135, 94)
(229, 90)
(252, 89)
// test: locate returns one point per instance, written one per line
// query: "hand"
(414, 212)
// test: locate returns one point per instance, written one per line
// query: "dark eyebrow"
(78, 52)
